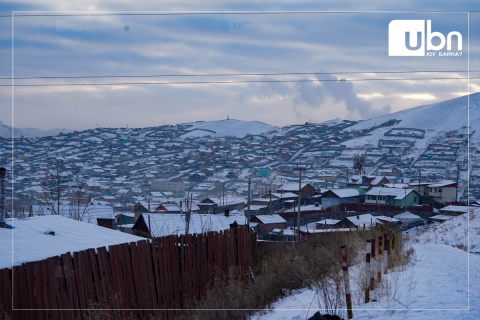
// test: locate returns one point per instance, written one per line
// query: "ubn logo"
(407, 38)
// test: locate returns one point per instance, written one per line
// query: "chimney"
(2, 195)
(227, 213)
(358, 217)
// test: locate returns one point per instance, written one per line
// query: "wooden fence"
(162, 273)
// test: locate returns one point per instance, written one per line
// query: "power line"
(224, 13)
(221, 82)
(228, 74)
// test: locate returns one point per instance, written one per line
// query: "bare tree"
(53, 186)
(79, 205)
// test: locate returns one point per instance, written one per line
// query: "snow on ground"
(435, 118)
(443, 281)
(437, 286)
(453, 232)
(231, 128)
(28, 242)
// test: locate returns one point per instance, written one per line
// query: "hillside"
(436, 119)
(6, 131)
(230, 127)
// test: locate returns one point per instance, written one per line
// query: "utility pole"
(248, 211)
(456, 189)
(299, 200)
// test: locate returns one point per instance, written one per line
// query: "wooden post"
(385, 254)
(380, 261)
(367, 279)
(372, 265)
(368, 248)
(347, 281)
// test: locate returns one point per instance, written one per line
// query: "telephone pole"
(299, 201)
(456, 189)
(248, 211)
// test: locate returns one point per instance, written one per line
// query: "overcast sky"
(198, 44)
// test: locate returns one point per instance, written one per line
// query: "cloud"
(318, 95)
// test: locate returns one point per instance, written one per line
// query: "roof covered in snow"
(398, 193)
(29, 242)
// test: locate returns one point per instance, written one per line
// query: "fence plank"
(143, 270)
(150, 275)
(164, 267)
(80, 267)
(61, 289)
(32, 295)
(130, 295)
(39, 290)
(118, 284)
(210, 243)
(105, 276)
(158, 275)
(50, 296)
(6, 291)
(163, 275)
(70, 277)
(46, 297)
(190, 292)
(97, 286)
(136, 275)
(20, 293)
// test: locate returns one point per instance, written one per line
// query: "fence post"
(372, 264)
(367, 279)
(393, 244)
(367, 271)
(380, 260)
(385, 254)
(346, 279)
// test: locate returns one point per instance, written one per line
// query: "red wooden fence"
(162, 273)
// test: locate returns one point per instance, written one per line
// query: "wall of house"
(269, 227)
(411, 199)
(329, 202)
(443, 194)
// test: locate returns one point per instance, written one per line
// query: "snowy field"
(442, 283)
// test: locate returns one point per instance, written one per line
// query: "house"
(267, 222)
(306, 189)
(174, 207)
(453, 210)
(366, 182)
(138, 209)
(407, 217)
(440, 218)
(33, 244)
(362, 221)
(438, 191)
(219, 205)
(392, 197)
(159, 225)
(335, 197)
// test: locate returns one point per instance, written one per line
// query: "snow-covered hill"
(436, 119)
(6, 131)
(453, 232)
(227, 128)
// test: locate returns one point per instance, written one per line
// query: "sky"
(345, 43)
